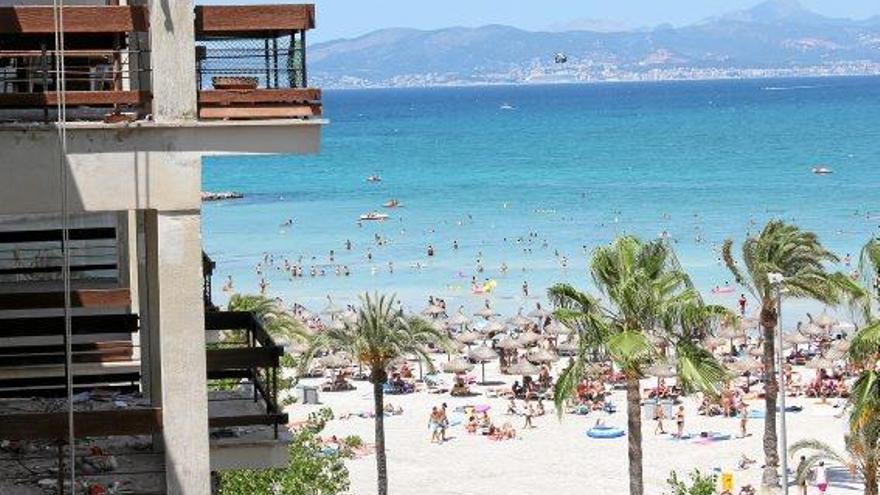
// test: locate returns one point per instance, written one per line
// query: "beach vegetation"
(697, 483)
(312, 469)
(380, 335)
(648, 312)
(801, 259)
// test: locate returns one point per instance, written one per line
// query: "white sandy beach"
(556, 456)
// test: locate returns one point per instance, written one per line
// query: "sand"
(556, 456)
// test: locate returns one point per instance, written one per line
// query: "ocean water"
(538, 186)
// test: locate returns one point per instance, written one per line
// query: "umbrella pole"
(483, 365)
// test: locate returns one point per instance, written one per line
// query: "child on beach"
(820, 476)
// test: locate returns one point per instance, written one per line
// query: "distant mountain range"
(777, 37)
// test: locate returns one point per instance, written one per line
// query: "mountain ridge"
(774, 36)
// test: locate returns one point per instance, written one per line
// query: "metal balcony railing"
(248, 355)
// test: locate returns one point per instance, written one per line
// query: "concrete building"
(149, 89)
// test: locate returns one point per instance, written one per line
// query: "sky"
(351, 18)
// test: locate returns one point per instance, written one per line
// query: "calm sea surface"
(572, 166)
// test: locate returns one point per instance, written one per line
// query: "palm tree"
(648, 296)
(380, 335)
(800, 258)
(277, 321)
(861, 455)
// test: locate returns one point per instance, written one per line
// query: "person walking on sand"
(444, 423)
(679, 422)
(659, 416)
(744, 420)
(820, 476)
(802, 477)
(527, 414)
(742, 304)
(434, 425)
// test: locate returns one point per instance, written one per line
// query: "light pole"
(776, 280)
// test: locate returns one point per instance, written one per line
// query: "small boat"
(392, 203)
(820, 170)
(507, 106)
(374, 178)
(373, 215)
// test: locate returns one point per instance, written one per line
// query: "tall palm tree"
(800, 258)
(648, 297)
(861, 455)
(380, 335)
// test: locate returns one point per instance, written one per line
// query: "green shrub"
(311, 470)
(700, 484)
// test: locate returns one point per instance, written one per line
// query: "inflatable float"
(605, 432)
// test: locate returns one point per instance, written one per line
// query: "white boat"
(373, 215)
(822, 170)
(507, 106)
(374, 178)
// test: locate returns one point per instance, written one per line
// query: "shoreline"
(603, 82)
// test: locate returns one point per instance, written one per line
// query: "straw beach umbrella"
(482, 355)
(529, 338)
(523, 368)
(493, 326)
(508, 343)
(746, 364)
(458, 365)
(541, 356)
(459, 319)
(519, 320)
(486, 311)
(820, 362)
(335, 361)
(824, 320)
(469, 337)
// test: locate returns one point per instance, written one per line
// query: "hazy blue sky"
(349, 18)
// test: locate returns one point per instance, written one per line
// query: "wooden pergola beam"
(77, 19)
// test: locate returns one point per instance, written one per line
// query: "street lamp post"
(776, 280)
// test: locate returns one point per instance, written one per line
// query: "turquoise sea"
(535, 177)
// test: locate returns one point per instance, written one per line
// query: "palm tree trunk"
(771, 390)
(871, 476)
(379, 416)
(634, 435)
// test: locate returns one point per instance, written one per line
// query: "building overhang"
(139, 165)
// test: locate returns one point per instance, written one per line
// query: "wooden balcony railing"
(251, 62)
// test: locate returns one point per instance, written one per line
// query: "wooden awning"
(252, 20)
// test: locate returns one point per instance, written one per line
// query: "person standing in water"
(742, 304)
(525, 289)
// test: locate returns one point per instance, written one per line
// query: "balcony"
(251, 62)
(106, 63)
(243, 409)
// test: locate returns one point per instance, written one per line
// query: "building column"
(178, 379)
(173, 59)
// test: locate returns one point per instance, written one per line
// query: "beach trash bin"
(309, 395)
